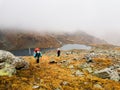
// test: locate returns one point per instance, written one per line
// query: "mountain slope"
(11, 40)
(78, 37)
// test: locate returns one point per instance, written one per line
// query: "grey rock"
(116, 66)
(52, 61)
(108, 73)
(36, 87)
(65, 62)
(9, 63)
(65, 83)
(2, 65)
(114, 76)
(98, 86)
(58, 63)
(20, 63)
(83, 65)
(103, 73)
(6, 56)
(69, 61)
(71, 67)
(88, 59)
(118, 71)
(68, 53)
(89, 69)
(112, 67)
(78, 73)
(76, 59)
(8, 70)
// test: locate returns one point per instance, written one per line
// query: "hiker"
(37, 54)
(58, 52)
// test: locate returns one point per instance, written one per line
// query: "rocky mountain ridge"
(12, 40)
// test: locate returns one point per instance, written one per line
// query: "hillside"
(78, 37)
(70, 71)
(20, 40)
(12, 40)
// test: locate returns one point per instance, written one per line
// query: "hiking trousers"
(37, 60)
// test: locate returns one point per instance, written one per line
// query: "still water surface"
(75, 46)
(29, 51)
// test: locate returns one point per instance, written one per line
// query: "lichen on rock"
(10, 63)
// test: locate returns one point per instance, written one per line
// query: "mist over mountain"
(13, 39)
(112, 37)
(99, 18)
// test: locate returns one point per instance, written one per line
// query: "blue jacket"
(37, 54)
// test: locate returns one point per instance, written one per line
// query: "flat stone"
(97, 86)
(78, 73)
(36, 87)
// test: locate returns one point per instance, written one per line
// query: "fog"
(100, 18)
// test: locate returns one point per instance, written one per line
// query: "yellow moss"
(3, 73)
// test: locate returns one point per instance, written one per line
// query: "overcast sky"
(100, 18)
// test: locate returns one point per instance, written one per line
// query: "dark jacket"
(37, 54)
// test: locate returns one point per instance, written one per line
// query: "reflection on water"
(75, 46)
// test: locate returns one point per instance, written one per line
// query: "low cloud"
(100, 18)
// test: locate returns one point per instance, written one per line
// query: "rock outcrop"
(9, 63)
(108, 73)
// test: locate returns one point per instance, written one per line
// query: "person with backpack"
(37, 54)
(58, 52)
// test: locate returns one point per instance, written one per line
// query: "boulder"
(2, 65)
(88, 59)
(83, 65)
(9, 63)
(8, 70)
(19, 63)
(114, 76)
(108, 73)
(6, 56)
(103, 74)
